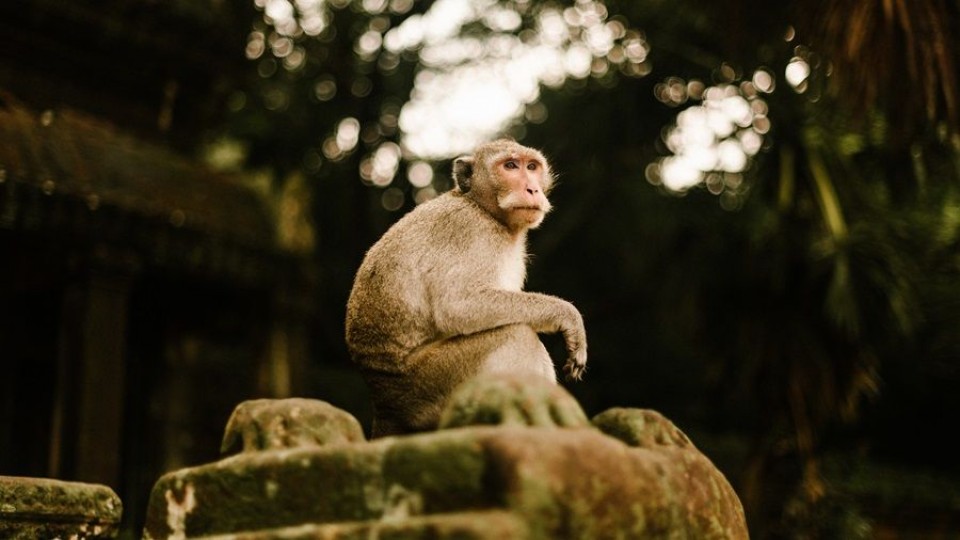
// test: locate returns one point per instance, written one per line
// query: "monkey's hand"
(575, 337)
(576, 365)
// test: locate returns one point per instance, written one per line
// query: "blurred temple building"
(142, 295)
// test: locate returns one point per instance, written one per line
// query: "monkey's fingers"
(574, 368)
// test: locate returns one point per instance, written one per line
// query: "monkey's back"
(441, 242)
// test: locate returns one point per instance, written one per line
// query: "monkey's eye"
(511, 165)
(532, 166)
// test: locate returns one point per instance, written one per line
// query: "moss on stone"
(637, 476)
(642, 428)
(272, 424)
(445, 470)
(33, 508)
(511, 400)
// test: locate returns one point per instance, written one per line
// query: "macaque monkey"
(439, 298)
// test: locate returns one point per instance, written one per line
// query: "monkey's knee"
(385, 427)
(403, 407)
(518, 349)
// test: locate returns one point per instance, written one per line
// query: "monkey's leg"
(413, 402)
(518, 349)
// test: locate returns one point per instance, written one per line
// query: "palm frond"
(896, 55)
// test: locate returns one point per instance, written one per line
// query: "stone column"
(88, 417)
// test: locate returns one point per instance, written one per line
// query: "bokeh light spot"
(715, 139)
(420, 174)
(797, 72)
(392, 199)
(325, 89)
(425, 194)
(763, 81)
(348, 134)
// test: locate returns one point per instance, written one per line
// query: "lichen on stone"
(270, 424)
(512, 400)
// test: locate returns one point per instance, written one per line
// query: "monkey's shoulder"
(450, 221)
(446, 243)
(450, 206)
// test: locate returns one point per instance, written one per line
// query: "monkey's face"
(508, 180)
(524, 182)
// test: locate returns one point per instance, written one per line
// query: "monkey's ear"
(463, 172)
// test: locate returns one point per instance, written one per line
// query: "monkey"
(439, 298)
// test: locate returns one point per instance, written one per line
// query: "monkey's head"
(509, 181)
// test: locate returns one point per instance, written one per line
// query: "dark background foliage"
(797, 318)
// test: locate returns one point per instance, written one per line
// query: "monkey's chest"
(513, 271)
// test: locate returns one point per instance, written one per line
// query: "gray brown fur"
(439, 299)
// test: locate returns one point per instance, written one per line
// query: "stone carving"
(512, 400)
(640, 428)
(272, 424)
(517, 459)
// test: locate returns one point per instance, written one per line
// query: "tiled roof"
(78, 181)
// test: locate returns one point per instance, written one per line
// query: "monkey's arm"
(484, 309)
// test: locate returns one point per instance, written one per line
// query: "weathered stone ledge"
(40, 508)
(629, 473)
